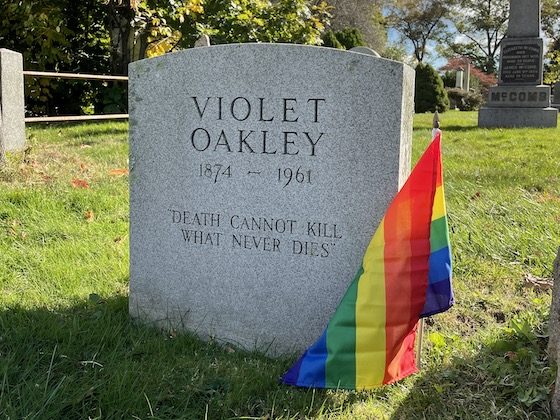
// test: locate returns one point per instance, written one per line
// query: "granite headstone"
(258, 175)
(12, 110)
(520, 99)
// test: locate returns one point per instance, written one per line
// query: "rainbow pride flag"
(405, 275)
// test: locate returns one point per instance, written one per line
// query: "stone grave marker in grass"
(520, 99)
(12, 123)
(258, 175)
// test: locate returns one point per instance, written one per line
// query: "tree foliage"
(330, 40)
(60, 35)
(429, 94)
(483, 25)
(461, 63)
(291, 21)
(550, 18)
(419, 21)
(463, 100)
(364, 15)
(103, 36)
(346, 39)
(552, 64)
(551, 27)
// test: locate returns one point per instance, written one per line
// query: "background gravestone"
(12, 109)
(556, 90)
(520, 99)
(258, 175)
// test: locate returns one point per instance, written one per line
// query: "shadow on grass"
(460, 128)
(508, 378)
(92, 360)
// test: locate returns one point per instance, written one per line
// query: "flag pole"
(435, 129)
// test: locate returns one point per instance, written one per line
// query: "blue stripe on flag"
(312, 369)
(440, 266)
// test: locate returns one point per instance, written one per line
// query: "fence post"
(12, 108)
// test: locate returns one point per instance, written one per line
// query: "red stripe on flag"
(407, 250)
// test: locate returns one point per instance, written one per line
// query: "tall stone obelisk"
(520, 99)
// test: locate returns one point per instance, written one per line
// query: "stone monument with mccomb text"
(520, 99)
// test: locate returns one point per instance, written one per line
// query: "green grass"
(69, 350)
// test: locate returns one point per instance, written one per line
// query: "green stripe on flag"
(341, 340)
(439, 236)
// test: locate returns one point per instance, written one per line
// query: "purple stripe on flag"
(439, 298)
(291, 376)
(309, 371)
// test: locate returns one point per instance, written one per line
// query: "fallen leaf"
(510, 355)
(83, 167)
(537, 283)
(118, 172)
(546, 196)
(118, 239)
(80, 183)
(89, 216)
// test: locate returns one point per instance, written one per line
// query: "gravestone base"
(517, 117)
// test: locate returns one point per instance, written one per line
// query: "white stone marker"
(258, 175)
(12, 110)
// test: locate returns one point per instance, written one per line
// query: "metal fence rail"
(75, 76)
(62, 118)
(55, 75)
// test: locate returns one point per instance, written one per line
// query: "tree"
(364, 15)
(330, 40)
(483, 25)
(552, 64)
(346, 39)
(550, 17)
(103, 36)
(60, 35)
(429, 93)
(551, 27)
(291, 21)
(419, 21)
(461, 63)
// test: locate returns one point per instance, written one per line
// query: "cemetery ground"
(68, 348)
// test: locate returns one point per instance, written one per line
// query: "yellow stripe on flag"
(370, 315)
(439, 204)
